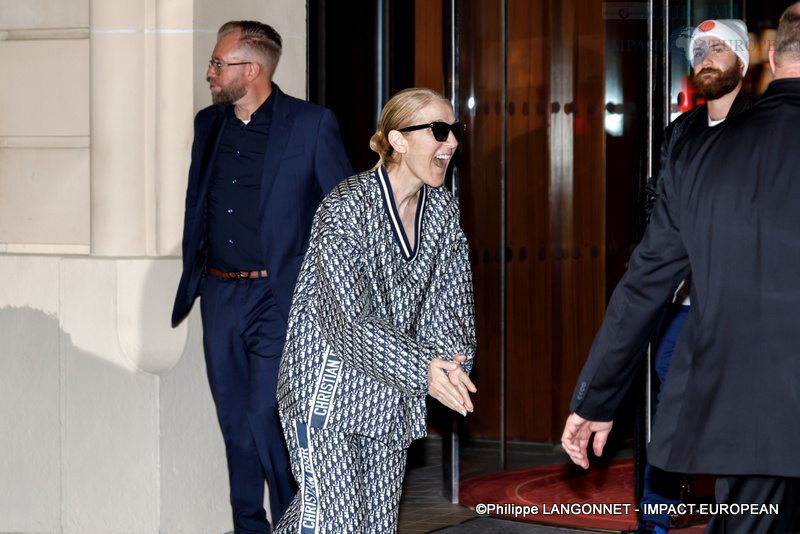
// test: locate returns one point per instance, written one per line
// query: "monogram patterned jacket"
(370, 312)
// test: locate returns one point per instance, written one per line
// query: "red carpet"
(600, 497)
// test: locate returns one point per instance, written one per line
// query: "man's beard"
(714, 87)
(229, 95)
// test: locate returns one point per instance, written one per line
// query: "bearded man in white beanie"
(727, 211)
(720, 59)
(719, 56)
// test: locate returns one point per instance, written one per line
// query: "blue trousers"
(661, 487)
(243, 337)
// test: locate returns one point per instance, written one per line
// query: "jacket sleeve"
(651, 189)
(448, 321)
(330, 161)
(192, 185)
(656, 267)
(356, 332)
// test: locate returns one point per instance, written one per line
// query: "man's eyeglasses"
(440, 130)
(217, 66)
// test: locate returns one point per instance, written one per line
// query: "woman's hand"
(450, 385)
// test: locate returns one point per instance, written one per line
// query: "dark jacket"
(727, 210)
(304, 160)
(694, 120)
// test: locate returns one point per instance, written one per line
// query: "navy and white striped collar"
(409, 253)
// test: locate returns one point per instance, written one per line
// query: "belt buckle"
(235, 275)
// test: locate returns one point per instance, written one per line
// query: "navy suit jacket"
(304, 160)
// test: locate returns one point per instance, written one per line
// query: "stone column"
(120, 160)
(175, 69)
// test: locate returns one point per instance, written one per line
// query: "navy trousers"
(662, 487)
(243, 337)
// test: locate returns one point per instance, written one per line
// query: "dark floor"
(423, 506)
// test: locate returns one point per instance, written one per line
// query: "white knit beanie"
(733, 32)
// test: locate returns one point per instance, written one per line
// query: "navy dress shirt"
(234, 193)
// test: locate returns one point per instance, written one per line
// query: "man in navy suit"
(261, 163)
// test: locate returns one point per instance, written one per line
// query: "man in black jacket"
(727, 210)
(720, 59)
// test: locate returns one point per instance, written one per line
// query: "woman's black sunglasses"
(440, 130)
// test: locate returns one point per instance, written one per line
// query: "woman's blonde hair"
(399, 112)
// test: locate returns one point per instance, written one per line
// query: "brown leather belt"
(237, 274)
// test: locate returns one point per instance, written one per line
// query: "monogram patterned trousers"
(348, 483)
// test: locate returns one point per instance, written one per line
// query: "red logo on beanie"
(707, 26)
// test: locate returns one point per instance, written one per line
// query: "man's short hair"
(256, 37)
(787, 40)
